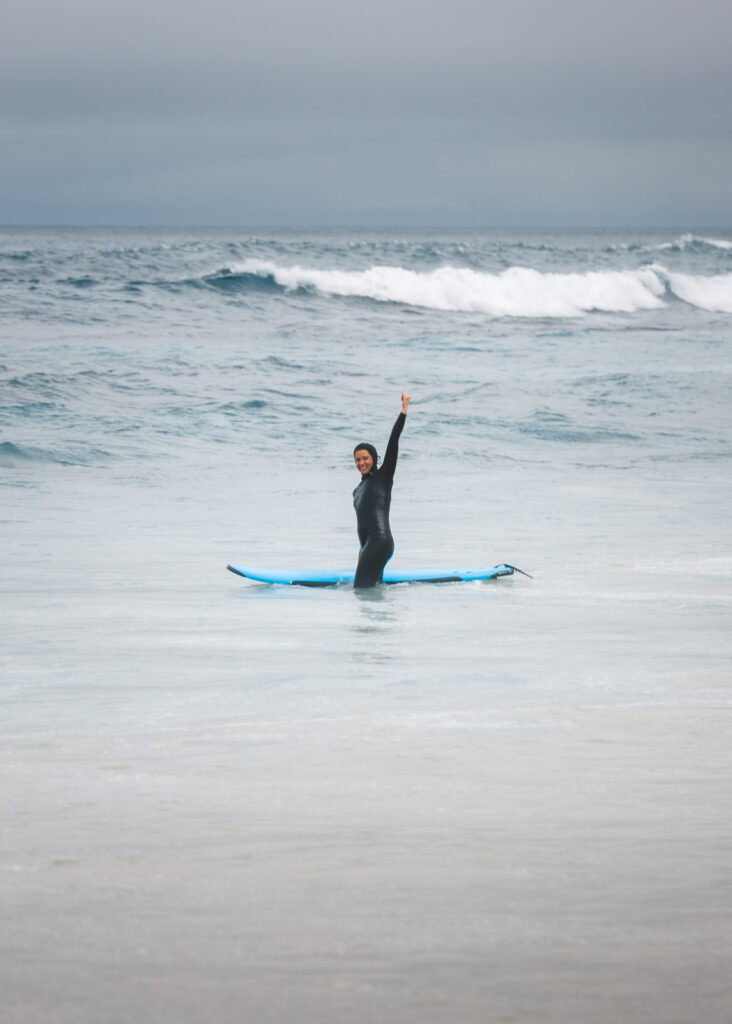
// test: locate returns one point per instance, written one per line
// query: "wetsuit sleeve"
(388, 466)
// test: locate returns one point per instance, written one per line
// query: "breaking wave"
(690, 241)
(713, 293)
(515, 292)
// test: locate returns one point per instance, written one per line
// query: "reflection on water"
(376, 615)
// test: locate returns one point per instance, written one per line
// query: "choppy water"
(478, 802)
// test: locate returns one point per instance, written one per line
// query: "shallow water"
(491, 801)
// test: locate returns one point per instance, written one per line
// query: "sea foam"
(690, 241)
(516, 292)
(711, 293)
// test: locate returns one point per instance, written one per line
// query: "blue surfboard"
(332, 577)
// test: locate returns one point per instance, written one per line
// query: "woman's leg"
(374, 555)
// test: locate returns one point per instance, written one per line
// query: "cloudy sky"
(307, 112)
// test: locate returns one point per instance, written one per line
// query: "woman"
(372, 499)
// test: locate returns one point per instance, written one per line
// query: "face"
(364, 462)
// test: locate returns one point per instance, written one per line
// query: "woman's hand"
(406, 399)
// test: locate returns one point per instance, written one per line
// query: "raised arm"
(388, 466)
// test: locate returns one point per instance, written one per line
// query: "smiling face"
(363, 460)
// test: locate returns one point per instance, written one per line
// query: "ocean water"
(504, 801)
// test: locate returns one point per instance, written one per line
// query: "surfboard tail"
(515, 568)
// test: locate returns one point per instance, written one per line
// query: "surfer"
(372, 499)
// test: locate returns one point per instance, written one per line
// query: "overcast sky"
(468, 112)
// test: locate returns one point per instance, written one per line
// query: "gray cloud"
(472, 112)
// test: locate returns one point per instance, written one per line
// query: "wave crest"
(690, 241)
(516, 292)
(13, 456)
(232, 279)
(713, 293)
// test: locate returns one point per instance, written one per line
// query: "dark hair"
(366, 447)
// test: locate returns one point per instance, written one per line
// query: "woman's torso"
(372, 500)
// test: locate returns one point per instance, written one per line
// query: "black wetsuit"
(372, 499)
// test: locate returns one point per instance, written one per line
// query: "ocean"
(501, 801)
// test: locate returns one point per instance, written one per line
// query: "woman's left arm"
(388, 466)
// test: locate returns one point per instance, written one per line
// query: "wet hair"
(366, 447)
